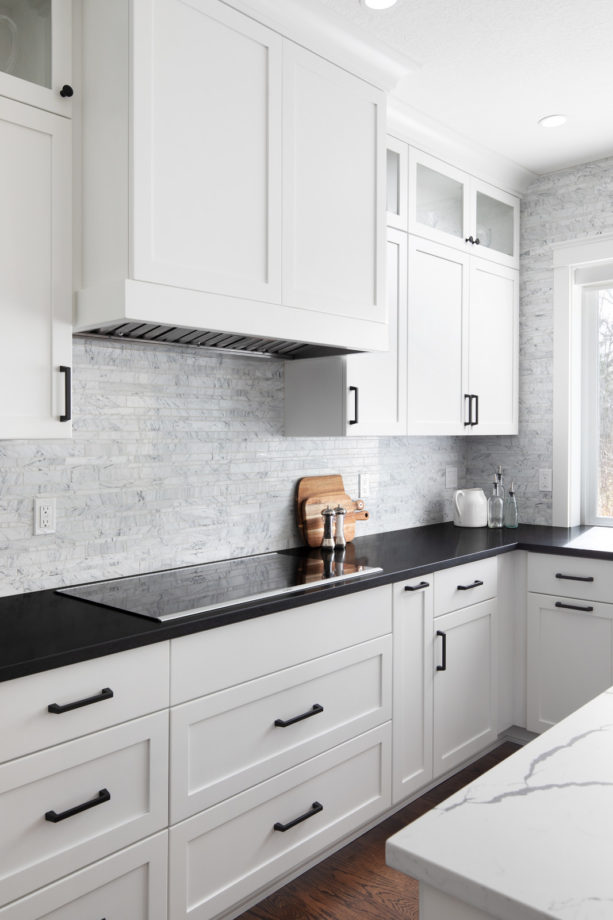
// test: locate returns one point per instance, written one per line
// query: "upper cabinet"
(35, 53)
(232, 180)
(449, 206)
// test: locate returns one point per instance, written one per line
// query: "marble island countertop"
(532, 838)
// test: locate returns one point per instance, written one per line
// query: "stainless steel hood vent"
(227, 342)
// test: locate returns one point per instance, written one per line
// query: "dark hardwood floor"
(355, 882)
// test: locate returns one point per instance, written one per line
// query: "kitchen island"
(530, 838)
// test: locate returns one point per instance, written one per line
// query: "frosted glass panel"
(25, 40)
(393, 182)
(440, 201)
(495, 224)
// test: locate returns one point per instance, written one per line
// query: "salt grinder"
(328, 515)
(339, 538)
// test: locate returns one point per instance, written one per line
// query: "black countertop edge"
(43, 630)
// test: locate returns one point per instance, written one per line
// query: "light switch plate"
(545, 481)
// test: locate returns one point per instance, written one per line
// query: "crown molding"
(431, 136)
(323, 31)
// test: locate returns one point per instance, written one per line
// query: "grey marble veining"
(178, 457)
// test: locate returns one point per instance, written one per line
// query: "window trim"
(567, 296)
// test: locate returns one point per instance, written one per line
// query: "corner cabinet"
(35, 259)
(219, 192)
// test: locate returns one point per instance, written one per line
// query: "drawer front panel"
(464, 585)
(123, 770)
(26, 725)
(572, 576)
(219, 658)
(220, 857)
(228, 741)
(130, 885)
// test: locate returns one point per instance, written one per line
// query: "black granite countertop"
(44, 630)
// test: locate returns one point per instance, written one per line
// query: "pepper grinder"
(339, 537)
(328, 515)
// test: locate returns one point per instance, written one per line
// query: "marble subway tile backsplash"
(179, 457)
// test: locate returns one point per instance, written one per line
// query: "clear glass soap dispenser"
(495, 507)
(510, 508)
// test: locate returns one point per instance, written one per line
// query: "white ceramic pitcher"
(470, 508)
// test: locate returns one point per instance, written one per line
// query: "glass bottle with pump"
(510, 508)
(495, 507)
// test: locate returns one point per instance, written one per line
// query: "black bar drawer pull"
(476, 399)
(67, 393)
(316, 807)
(443, 665)
(283, 723)
(103, 796)
(422, 584)
(356, 410)
(476, 584)
(575, 577)
(105, 694)
(574, 607)
(468, 397)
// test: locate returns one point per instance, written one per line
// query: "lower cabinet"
(130, 885)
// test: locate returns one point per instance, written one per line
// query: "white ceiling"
(488, 69)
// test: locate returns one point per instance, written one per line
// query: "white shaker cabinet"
(220, 193)
(463, 321)
(356, 395)
(35, 272)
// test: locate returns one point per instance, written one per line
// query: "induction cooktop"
(196, 589)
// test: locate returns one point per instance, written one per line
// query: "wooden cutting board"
(313, 522)
(315, 485)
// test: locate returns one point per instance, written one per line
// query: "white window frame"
(568, 259)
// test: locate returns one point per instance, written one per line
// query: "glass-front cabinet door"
(438, 196)
(35, 53)
(495, 218)
(397, 198)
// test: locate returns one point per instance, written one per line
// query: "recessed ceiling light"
(379, 4)
(552, 121)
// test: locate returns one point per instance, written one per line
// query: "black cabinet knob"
(66, 91)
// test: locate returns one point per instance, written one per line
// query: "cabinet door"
(494, 221)
(465, 684)
(396, 188)
(35, 53)
(438, 200)
(206, 202)
(376, 394)
(569, 656)
(35, 271)
(438, 293)
(334, 176)
(493, 330)
(412, 687)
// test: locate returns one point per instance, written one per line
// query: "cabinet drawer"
(219, 658)
(572, 576)
(130, 885)
(123, 770)
(463, 585)
(138, 680)
(228, 741)
(220, 857)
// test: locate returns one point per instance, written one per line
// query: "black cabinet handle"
(422, 584)
(475, 396)
(476, 584)
(103, 796)
(356, 409)
(477, 241)
(574, 607)
(575, 577)
(105, 694)
(67, 393)
(66, 91)
(316, 807)
(468, 397)
(283, 723)
(443, 665)
(468, 239)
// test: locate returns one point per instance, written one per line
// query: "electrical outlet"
(44, 515)
(451, 477)
(545, 481)
(363, 485)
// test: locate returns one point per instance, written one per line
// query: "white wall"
(565, 205)
(179, 457)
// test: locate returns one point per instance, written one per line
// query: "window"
(597, 405)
